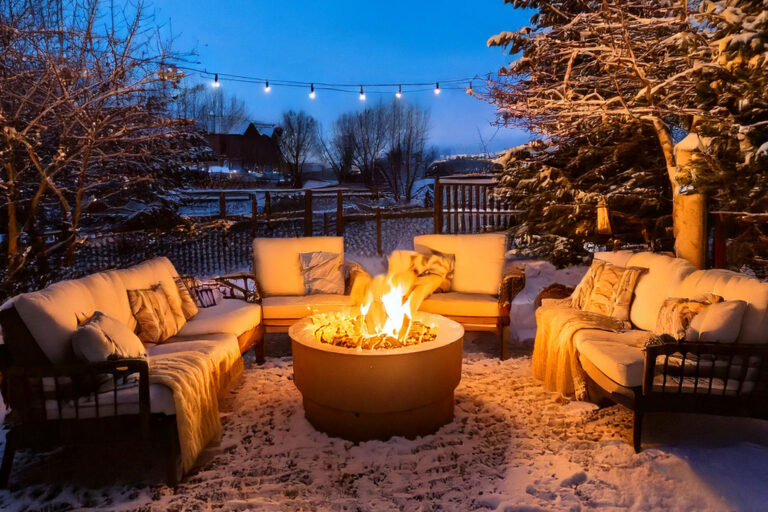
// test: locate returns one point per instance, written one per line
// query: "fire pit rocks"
(363, 394)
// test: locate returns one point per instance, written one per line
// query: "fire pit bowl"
(360, 395)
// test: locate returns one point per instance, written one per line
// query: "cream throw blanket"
(195, 381)
(555, 358)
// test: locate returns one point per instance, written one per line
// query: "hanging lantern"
(603, 218)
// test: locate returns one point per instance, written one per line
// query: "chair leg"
(8, 454)
(258, 351)
(504, 337)
(173, 468)
(637, 432)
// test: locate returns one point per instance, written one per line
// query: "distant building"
(248, 146)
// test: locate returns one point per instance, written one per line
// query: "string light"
(437, 87)
(267, 88)
(362, 94)
(399, 93)
(216, 81)
(312, 94)
(470, 91)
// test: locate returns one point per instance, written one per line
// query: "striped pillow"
(607, 289)
(154, 317)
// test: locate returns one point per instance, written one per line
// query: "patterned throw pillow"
(154, 318)
(322, 272)
(676, 314)
(188, 306)
(437, 263)
(607, 289)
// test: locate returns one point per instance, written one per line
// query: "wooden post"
(485, 207)
(325, 223)
(339, 213)
(308, 212)
(268, 207)
(438, 205)
(254, 214)
(379, 247)
(222, 205)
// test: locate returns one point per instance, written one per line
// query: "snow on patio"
(512, 447)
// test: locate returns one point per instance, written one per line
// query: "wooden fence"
(466, 204)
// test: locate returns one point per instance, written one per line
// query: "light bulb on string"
(362, 94)
(267, 88)
(312, 93)
(216, 82)
(470, 91)
(437, 87)
(399, 93)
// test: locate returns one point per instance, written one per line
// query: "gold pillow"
(154, 317)
(188, 306)
(611, 292)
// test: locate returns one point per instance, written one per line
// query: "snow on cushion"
(276, 261)
(662, 280)
(479, 259)
(109, 295)
(618, 258)
(299, 306)
(734, 286)
(461, 304)
(230, 316)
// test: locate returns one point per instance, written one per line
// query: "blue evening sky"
(358, 42)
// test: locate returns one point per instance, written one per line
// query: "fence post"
(438, 205)
(308, 212)
(268, 207)
(379, 247)
(339, 213)
(222, 205)
(325, 223)
(254, 214)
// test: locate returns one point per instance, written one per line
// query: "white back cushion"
(618, 258)
(479, 263)
(664, 276)
(734, 286)
(109, 295)
(276, 261)
(51, 315)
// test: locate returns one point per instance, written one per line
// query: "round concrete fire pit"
(376, 394)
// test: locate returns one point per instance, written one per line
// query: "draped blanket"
(193, 379)
(555, 357)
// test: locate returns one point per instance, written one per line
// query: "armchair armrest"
(240, 285)
(512, 283)
(31, 386)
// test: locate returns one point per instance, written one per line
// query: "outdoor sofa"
(54, 398)
(482, 288)
(661, 373)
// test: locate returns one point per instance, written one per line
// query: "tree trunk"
(689, 212)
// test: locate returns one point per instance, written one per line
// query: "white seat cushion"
(276, 261)
(619, 355)
(299, 306)
(461, 304)
(479, 259)
(231, 316)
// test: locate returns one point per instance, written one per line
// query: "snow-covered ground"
(512, 447)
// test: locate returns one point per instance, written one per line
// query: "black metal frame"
(673, 361)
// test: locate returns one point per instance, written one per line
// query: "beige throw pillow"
(102, 338)
(154, 318)
(607, 289)
(188, 306)
(323, 272)
(718, 323)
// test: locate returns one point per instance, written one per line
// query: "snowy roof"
(262, 127)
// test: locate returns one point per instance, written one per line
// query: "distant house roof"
(240, 128)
